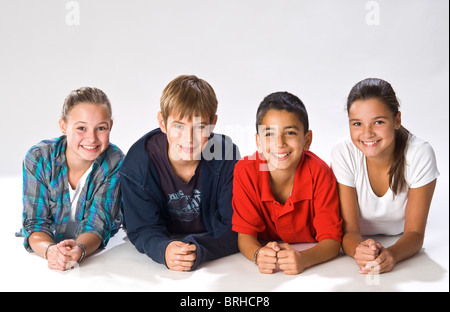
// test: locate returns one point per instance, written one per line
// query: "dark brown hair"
(283, 101)
(371, 88)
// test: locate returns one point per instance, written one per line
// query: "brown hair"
(188, 95)
(382, 90)
(84, 95)
(283, 101)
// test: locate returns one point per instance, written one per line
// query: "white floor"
(120, 267)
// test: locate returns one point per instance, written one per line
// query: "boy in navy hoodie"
(177, 181)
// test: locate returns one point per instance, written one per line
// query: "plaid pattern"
(46, 198)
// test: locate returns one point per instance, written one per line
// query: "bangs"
(189, 98)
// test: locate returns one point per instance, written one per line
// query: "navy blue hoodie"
(145, 205)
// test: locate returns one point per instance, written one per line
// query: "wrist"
(48, 249)
(255, 255)
(83, 252)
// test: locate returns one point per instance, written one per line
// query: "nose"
(90, 136)
(188, 134)
(368, 131)
(281, 140)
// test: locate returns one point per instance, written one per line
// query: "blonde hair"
(187, 96)
(85, 95)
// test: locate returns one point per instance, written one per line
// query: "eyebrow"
(85, 123)
(285, 128)
(183, 123)
(378, 117)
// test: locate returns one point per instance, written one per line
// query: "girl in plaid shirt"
(71, 192)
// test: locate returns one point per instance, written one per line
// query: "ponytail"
(397, 181)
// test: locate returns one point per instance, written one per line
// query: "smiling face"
(281, 139)
(372, 128)
(186, 136)
(87, 127)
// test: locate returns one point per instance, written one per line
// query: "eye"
(356, 124)
(179, 127)
(80, 128)
(290, 133)
(102, 128)
(268, 134)
(379, 122)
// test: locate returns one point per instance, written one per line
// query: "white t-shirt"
(72, 224)
(386, 214)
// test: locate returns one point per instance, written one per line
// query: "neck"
(184, 169)
(383, 161)
(281, 176)
(77, 165)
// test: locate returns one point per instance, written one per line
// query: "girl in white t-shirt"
(386, 179)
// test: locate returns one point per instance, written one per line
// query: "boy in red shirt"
(285, 193)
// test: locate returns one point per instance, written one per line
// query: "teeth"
(370, 143)
(281, 155)
(89, 147)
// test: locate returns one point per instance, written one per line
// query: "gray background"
(246, 49)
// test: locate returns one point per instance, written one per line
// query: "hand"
(366, 252)
(63, 255)
(266, 259)
(383, 263)
(290, 260)
(180, 256)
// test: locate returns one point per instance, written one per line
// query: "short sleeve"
(343, 163)
(246, 211)
(421, 167)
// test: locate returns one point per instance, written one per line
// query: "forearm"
(248, 245)
(325, 250)
(90, 241)
(350, 241)
(39, 241)
(408, 245)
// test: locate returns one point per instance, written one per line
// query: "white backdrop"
(246, 49)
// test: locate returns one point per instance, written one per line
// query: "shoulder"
(344, 147)
(47, 149)
(138, 151)
(421, 166)
(249, 162)
(249, 166)
(316, 165)
(346, 156)
(418, 148)
(139, 145)
(114, 155)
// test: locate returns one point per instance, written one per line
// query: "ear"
(308, 140)
(62, 125)
(111, 125)
(398, 120)
(214, 122)
(258, 143)
(161, 123)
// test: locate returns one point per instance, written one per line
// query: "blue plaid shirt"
(46, 198)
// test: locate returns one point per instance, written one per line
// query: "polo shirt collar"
(302, 189)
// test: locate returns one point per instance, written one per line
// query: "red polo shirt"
(310, 214)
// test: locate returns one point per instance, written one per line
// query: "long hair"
(382, 90)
